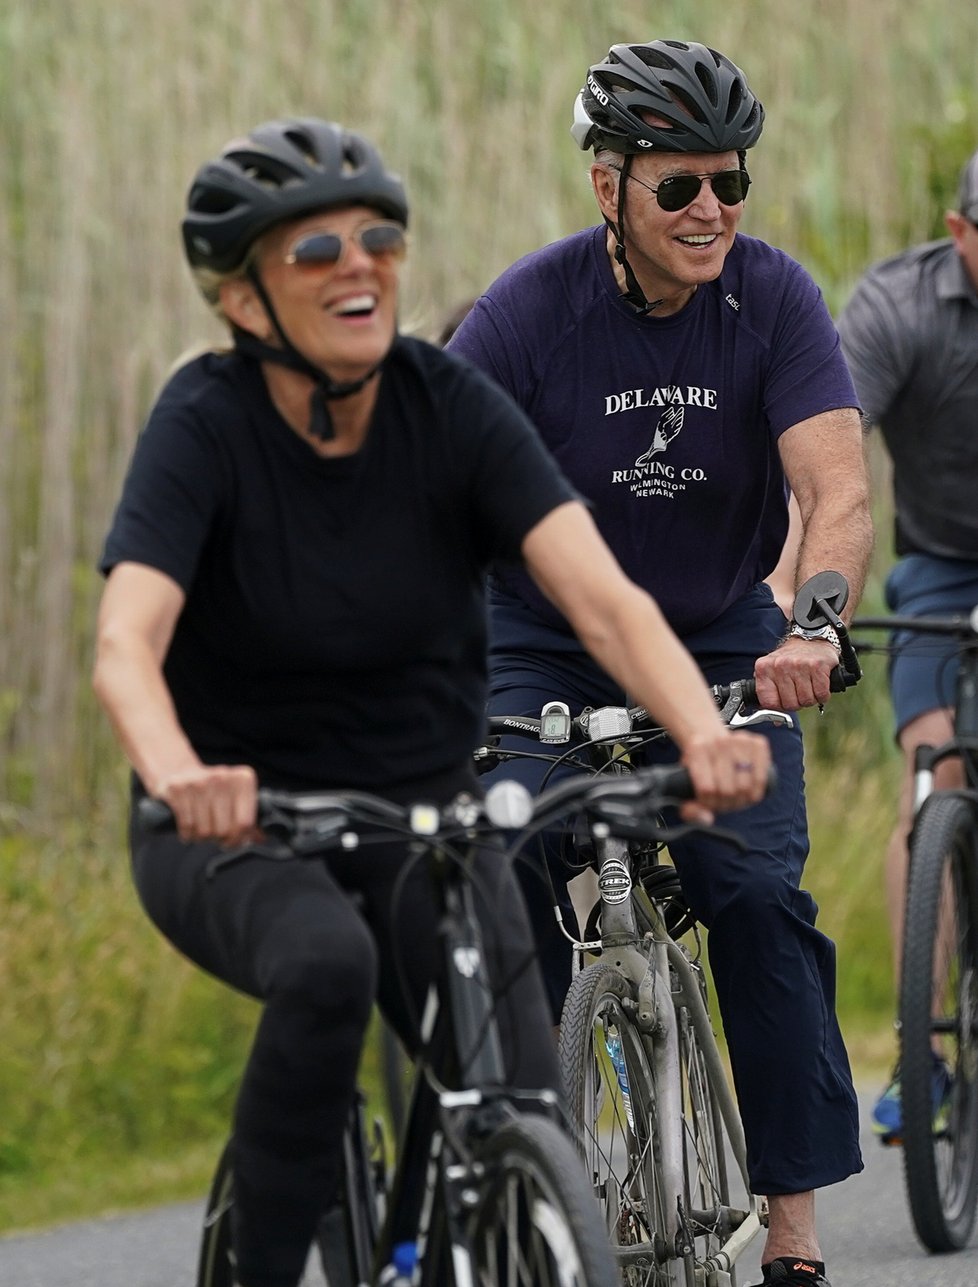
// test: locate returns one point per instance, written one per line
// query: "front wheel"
(535, 1222)
(939, 1022)
(610, 1087)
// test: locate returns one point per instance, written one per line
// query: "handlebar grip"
(155, 815)
(676, 782)
(671, 781)
(837, 684)
(749, 691)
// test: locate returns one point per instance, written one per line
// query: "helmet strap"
(634, 295)
(325, 390)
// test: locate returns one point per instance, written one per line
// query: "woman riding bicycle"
(295, 599)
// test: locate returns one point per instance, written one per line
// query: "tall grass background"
(118, 1063)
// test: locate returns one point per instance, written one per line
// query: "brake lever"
(762, 715)
(733, 714)
(258, 849)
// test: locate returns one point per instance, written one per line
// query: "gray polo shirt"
(910, 335)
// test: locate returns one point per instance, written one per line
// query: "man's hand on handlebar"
(729, 771)
(796, 674)
(804, 668)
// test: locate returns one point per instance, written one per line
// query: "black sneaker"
(794, 1271)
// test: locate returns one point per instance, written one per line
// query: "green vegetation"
(118, 1063)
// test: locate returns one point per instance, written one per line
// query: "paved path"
(864, 1226)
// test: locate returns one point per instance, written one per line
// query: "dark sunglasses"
(319, 250)
(681, 190)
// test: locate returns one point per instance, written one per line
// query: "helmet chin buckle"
(320, 421)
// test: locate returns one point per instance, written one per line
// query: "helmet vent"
(205, 201)
(302, 143)
(655, 57)
(688, 104)
(709, 84)
(734, 101)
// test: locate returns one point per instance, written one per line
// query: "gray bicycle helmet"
(282, 170)
(703, 97)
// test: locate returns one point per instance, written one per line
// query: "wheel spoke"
(536, 1224)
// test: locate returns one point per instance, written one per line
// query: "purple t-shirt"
(669, 426)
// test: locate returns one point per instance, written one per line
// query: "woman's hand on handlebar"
(729, 771)
(213, 802)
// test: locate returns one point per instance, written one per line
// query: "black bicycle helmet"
(282, 170)
(703, 97)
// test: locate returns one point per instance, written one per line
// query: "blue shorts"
(924, 668)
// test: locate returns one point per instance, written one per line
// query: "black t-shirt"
(334, 626)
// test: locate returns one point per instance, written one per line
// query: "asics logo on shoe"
(809, 1269)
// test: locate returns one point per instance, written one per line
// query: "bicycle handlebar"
(310, 822)
(963, 627)
(606, 723)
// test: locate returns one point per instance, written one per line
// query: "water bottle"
(612, 1044)
(400, 1271)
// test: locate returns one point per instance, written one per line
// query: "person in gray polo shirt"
(910, 335)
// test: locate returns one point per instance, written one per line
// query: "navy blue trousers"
(774, 972)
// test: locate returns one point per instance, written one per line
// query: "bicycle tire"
(535, 1222)
(214, 1259)
(395, 1068)
(618, 1138)
(939, 995)
(706, 1189)
(346, 1232)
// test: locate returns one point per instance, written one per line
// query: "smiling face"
(671, 252)
(342, 317)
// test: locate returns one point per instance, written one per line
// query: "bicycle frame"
(480, 1190)
(458, 1023)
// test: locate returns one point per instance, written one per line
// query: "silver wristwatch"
(821, 632)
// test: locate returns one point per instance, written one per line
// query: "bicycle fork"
(652, 969)
(655, 1017)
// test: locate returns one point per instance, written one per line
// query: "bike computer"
(555, 722)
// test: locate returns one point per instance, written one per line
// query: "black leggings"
(318, 941)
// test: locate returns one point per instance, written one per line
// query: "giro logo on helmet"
(597, 91)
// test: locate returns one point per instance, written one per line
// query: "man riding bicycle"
(910, 334)
(685, 377)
